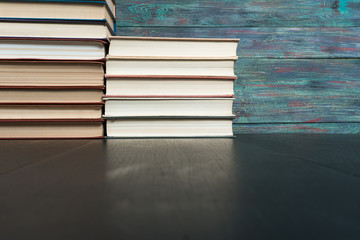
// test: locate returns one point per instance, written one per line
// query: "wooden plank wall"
(298, 68)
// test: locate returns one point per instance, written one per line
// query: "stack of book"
(169, 87)
(52, 55)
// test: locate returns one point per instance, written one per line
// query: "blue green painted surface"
(299, 66)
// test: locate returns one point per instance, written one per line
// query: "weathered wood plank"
(271, 42)
(297, 90)
(311, 128)
(235, 13)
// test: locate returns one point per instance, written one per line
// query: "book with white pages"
(63, 10)
(169, 127)
(52, 49)
(175, 86)
(56, 29)
(115, 106)
(172, 47)
(170, 66)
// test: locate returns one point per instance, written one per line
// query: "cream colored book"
(169, 127)
(57, 10)
(50, 129)
(170, 66)
(51, 49)
(55, 30)
(42, 73)
(157, 86)
(48, 95)
(172, 47)
(29, 111)
(132, 107)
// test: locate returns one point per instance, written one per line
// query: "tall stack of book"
(52, 54)
(169, 87)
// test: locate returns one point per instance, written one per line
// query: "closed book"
(170, 66)
(167, 127)
(160, 86)
(172, 47)
(51, 73)
(50, 111)
(56, 10)
(51, 128)
(55, 29)
(115, 106)
(52, 49)
(20, 94)
(110, 4)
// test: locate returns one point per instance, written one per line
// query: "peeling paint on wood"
(235, 13)
(313, 128)
(297, 90)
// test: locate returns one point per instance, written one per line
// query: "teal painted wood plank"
(235, 13)
(271, 42)
(297, 90)
(308, 128)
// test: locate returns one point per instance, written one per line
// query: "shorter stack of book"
(52, 67)
(169, 87)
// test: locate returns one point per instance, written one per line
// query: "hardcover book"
(51, 94)
(175, 86)
(51, 73)
(52, 49)
(166, 66)
(132, 107)
(51, 128)
(172, 47)
(62, 10)
(176, 127)
(95, 29)
(50, 111)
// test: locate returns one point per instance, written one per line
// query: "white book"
(169, 127)
(172, 47)
(55, 30)
(51, 49)
(170, 66)
(169, 86)
(168, 107)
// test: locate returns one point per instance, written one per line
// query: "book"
(172, 47)
(96, 29)
(177, 127)
(52, 49)
(49, 111)
(56, 10)
(132, 107)
(51, 73)
(175, 86)
(170, 66)
(50, 128)
(110, 4)
(50, 95)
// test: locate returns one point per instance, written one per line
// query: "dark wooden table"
(251, 187)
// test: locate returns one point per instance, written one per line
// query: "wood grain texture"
(297, 90)
(296, 42)
(234, 13)
(307, 128)
(251, 187)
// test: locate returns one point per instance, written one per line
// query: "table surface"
(250, 187)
